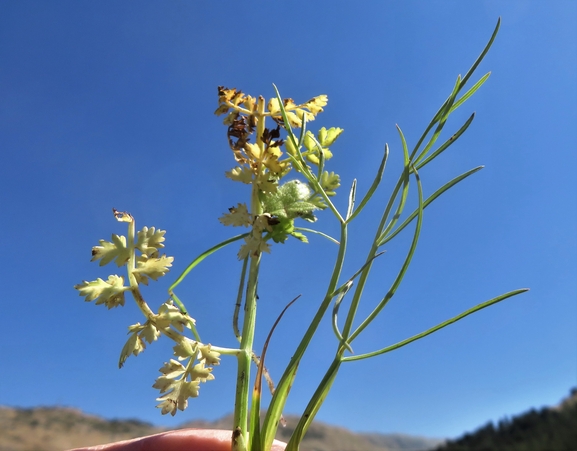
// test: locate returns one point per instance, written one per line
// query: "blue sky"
(110, 104)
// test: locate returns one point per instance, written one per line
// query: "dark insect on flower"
(273, 220)
(239, 132)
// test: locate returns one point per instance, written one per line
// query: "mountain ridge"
(60, 428)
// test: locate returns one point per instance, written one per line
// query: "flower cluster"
(178, 382)
(263, 164)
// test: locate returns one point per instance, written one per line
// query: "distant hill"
(60, 428)
(549, 429)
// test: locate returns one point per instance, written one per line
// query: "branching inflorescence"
(265, 158)
(179, 381)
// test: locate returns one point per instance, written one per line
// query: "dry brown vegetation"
(60, 428)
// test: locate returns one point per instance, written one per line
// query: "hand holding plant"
(285, 165)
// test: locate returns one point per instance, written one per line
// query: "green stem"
(369, 262)
(280, 395)
(314, 404)
(238, 302)
(241, 439)
(244, 357)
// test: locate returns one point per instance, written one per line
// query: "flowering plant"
(285, 165)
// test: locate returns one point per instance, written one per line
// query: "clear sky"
(110, 104)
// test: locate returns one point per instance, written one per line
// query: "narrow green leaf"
(405, 184)
(284, 117)
(403, 269)
(313, 406)
(352, 195)
(335, 323)
(238, 302)
(255, 407)
(482, 55)
(400, 344)
(254, 433)
(321, 160)
(196, 261)
(328, 237)
(356, 274)
(298, 161)
(303, 131)
(470, 72)
(279, 398)
(384, 238)
(470, 92)
(442, 120)
(447, 143)
(373, 187)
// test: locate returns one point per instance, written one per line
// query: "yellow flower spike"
(328, 137)
(302, 113)
(240, 174)
(109, 292)
(230, 117)
(275, 166)
(222, 109)
(237, 216)
(316, 104)
(231, 95)
(201, 373)
(253, 151)
(294, 120)
(289, 104)
(249, 103)
(209, 356)
(273, 106)
(185, 349)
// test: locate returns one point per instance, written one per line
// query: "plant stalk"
(240, 438)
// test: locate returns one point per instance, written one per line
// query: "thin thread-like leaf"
(403, 269)
(470, 92)
(405, 184)
(470, 72)
(447, 143)
(238, 302)
(373, 187)
(352, 195)
(384, 239)
(442, 120)
(328, 237)
(279, 398)
(195, 262)
(335, 323)
(400, 344)
(483, 53)
(340, 293)
(356, 274)
(313, 406)
(321, 160)
(299, 162)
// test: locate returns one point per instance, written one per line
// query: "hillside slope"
(548, 429)
(60, 428)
